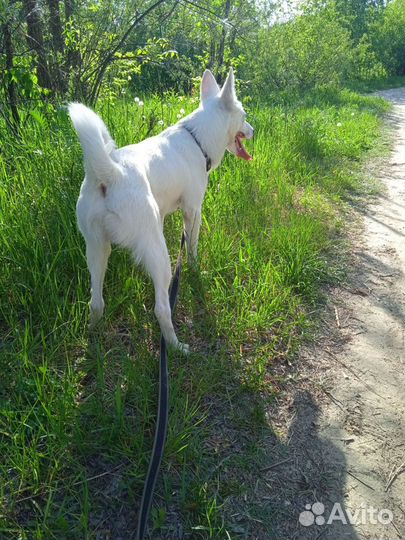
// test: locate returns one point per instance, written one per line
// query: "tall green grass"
(78, 409)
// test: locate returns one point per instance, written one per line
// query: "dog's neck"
(209, 128)
(197, 142)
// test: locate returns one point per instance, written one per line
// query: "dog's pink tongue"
(244, 154)
(241, 150)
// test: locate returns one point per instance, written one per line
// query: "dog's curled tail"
(97, 144)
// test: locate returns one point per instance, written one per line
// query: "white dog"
(127, 192)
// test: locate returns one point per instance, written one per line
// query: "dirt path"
(368, 426)
(344, 449)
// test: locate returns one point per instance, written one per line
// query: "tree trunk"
(36, 42)
(11, 87)
(211, 59)
(221, 49)
(72, 56)
(69, 9)
(55, 27)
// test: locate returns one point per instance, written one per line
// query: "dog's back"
(172, 168)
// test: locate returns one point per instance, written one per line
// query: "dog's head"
(225, 98)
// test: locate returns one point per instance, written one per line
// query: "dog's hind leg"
(192, 223)
(97, 252)
(155, 258)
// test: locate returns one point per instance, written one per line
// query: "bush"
(388, 37)
(311, 50)
(365, 63)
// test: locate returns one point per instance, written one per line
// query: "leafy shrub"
(388, 37)
(311, 50)
(365, 63)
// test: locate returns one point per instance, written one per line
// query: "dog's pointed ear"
(209, 87)
(228, 94)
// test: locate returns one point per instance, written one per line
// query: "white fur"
(127, 192)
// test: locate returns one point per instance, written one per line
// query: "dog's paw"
(178, 346)
(183, 347)
(93, 322)
(96, 313)
(192, 259)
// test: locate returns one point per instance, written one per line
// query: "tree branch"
(110, 55)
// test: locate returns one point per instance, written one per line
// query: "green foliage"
(103, 55)
(388, 37)
(376, 84)
(327, 43)
(378, 39)
(366, 65)
(133, 64)
(25, 79)
(291, 57)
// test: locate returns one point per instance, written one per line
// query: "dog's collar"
(207, 158)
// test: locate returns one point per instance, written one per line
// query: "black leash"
(163, 411)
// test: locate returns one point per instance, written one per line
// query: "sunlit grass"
(77, 410)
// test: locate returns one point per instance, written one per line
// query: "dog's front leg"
(192, 223)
